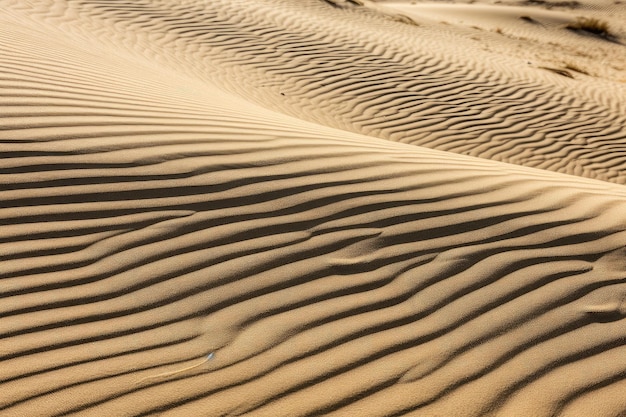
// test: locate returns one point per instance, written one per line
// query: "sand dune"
(194, 222)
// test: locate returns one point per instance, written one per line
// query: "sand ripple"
(168, 248)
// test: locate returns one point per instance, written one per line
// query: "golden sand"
(312, 208)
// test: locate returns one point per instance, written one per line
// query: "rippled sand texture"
(186, 231)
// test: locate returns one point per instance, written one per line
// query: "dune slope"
(170, 248)
(403, 75)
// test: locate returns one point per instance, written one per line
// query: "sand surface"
(312, 208)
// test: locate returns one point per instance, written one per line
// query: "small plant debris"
(343, 3)
(528, 19)
(591, 25)
(402, 18)
(576, 68)
(559, 71)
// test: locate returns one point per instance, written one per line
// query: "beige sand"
(207, 209)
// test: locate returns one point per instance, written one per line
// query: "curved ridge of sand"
(426, 83)
(170, 249)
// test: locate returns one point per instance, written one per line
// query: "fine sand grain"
(311, 208)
